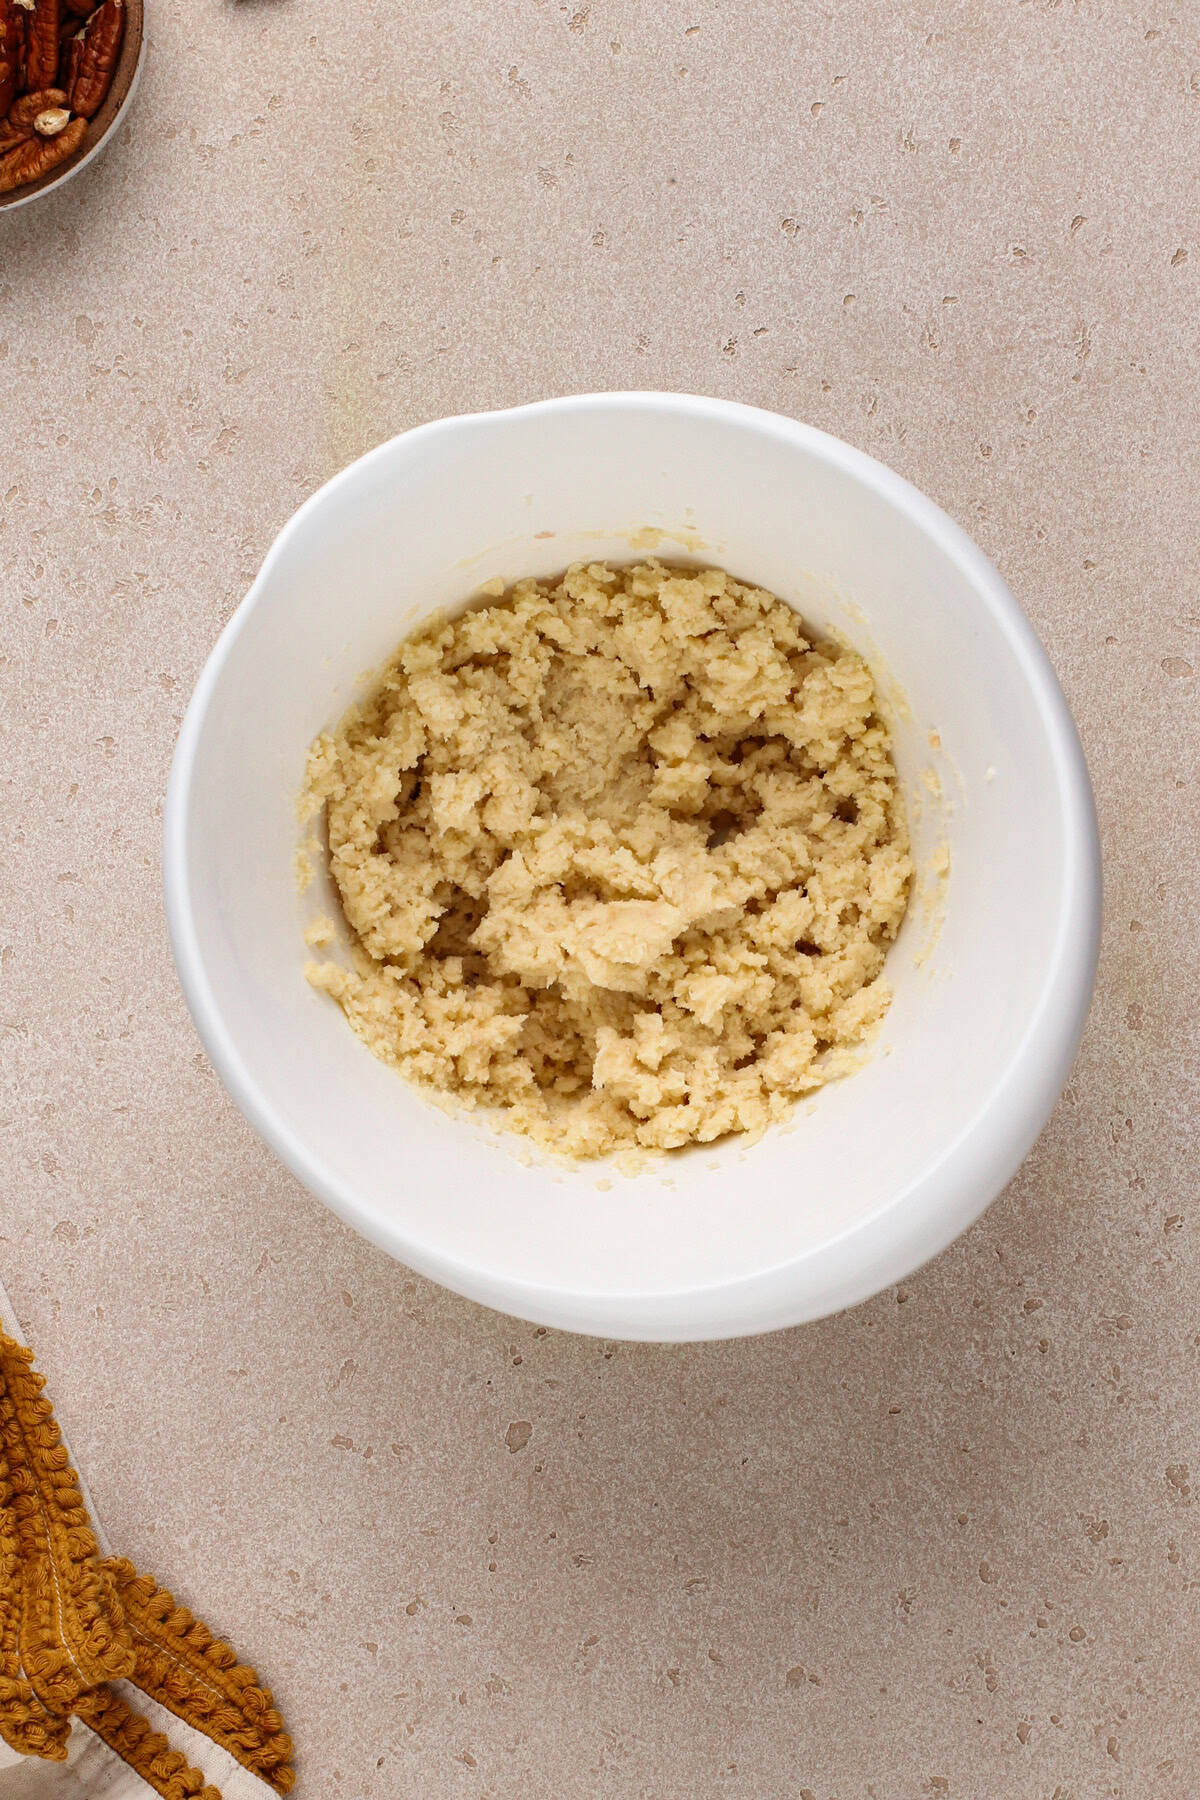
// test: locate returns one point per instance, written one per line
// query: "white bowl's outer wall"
(882, 1170)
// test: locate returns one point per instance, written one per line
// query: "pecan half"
(12, 41)
(38, 155)
(18, 128)
(41, 51)
(101, 48)
(25, 110)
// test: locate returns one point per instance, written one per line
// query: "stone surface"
(944, 1545)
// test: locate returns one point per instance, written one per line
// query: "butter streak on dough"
(621, 855)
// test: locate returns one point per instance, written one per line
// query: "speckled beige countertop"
(944, 1545)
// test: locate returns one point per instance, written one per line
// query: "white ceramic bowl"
(992, 972)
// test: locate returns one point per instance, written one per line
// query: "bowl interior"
(121, 90)
(877, 1171)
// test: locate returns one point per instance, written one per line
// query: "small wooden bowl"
(102, 127)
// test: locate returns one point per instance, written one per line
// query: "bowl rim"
(58, 178)
(914, 1223)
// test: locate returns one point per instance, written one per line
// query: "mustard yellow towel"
(108, 1689)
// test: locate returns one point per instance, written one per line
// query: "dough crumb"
(620, 855)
